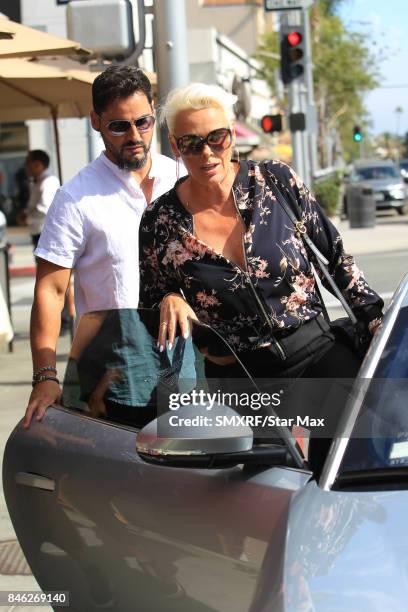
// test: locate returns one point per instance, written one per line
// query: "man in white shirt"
(43, 186)
(92, 225)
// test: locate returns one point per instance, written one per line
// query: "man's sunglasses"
(119, 127)
(217, 140)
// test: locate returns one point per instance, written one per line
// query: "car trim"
(360, 386)
(35, 481)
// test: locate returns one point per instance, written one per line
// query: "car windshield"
(379, 439)
(404, 164)
(376, 172)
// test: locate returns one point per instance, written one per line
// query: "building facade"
(228, 33)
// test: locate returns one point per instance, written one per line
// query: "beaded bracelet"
(40, 379)
(46, 368)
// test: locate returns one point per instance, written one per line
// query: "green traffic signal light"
(357, 135)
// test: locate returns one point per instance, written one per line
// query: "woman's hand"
(174, 310)
(374, 325)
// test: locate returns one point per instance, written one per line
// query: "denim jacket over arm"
(276, 292)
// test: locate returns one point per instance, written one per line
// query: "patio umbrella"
(30, 90)
(17, 40)
(51, 90)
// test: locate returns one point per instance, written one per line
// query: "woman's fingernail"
(186, 335)
(161, 349)
(157, 344)
(170, 346)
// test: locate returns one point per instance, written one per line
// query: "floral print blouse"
(276, 293)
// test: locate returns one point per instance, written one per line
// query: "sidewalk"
(15, 387)
(389, 234)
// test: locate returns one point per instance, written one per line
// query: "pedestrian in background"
(43, 187)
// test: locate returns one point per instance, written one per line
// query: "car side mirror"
(194, 436)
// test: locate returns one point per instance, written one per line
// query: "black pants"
(327, 358)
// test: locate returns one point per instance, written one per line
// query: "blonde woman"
(219, 248)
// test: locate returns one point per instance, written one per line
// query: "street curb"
(22, 271)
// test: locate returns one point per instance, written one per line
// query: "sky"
(385, 22)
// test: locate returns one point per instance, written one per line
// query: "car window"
(376, 172)
(117, 373)
(380, 436)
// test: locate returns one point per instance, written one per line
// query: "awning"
(246, 139)
(17, 40)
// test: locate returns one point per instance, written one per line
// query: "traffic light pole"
(171, 54)
(297, 104)
(311, 114)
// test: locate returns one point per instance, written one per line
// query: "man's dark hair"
(118, 82)
(39, 155)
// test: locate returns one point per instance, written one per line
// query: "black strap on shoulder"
(294, 213)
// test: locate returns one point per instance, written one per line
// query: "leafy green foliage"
(327, 193)
(344, 69)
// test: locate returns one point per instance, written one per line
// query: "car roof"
(368, 163)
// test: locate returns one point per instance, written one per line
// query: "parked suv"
(403, 164)
(384, 179)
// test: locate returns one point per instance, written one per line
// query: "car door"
(96, 521)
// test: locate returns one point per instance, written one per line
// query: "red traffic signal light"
(271, 123)
(294, 38)
(292, 53)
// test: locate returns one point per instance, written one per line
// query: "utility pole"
(311, 114)
(297, 74)
(170, 51)
(297, 104)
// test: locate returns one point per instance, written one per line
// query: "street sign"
(286, 5)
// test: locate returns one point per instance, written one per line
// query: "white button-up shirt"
(93, 227)
(42, 192)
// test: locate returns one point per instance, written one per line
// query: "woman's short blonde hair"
(196, 96)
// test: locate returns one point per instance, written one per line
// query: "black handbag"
(349, 330)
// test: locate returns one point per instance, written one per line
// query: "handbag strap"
(297, 221)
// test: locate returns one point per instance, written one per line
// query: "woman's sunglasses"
(119, 127)
(217, 140)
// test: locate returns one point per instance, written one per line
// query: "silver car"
(3, 227)
(383, 177)
(205, 518)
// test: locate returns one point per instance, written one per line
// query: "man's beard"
(129, 164)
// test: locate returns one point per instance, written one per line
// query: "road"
(383, 272)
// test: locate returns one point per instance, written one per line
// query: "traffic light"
(297, 122)
(292, 53)
(271, 123)
(357, 135)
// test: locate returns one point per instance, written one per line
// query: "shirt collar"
(154, 166)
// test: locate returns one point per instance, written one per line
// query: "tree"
(344, 69)
(405, 146)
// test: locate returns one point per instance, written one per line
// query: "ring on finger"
(164, 324)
